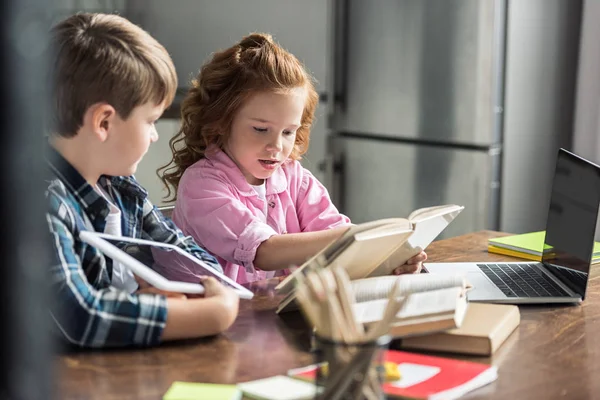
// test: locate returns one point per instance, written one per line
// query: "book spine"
(448, 343)
(511, 253)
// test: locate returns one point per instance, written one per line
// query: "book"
(278, 387)
(433, 303)
(375, 248)
(484, 329)
(526, 256)
(425, 377)
(530, 246)
(193, 391)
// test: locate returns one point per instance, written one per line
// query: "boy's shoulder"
(62, 204)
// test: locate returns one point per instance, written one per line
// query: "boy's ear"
(99, 118)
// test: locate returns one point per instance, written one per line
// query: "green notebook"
(197, 391)
(531, 243)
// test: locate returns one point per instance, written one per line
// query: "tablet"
(173, 269)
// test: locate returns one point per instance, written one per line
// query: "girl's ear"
(99, 119)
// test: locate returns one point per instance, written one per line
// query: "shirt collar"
(93, 203)
(277, 183)
(84, 193)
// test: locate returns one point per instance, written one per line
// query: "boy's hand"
(412, 266)
(153, 290)
(212, 288)
(145, 288)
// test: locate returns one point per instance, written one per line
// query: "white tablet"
(173, 269)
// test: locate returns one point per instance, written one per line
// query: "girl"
(240, 189)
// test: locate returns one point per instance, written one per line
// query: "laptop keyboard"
(515, 281)
(577, 277)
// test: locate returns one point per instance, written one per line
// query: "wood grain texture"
(553, 353)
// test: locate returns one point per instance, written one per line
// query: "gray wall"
(193, 29)
(586, 141)
(541, 63)
(64, 8)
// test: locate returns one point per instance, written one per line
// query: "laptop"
(563, 274)
(164, 266)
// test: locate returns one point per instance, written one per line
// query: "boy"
(111, 82)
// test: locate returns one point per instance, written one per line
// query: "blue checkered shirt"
(87, 311)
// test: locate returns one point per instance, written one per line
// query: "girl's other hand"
(412, 266)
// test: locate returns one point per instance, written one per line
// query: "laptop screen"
(571, 222)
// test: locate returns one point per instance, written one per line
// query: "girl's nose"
(276, 143)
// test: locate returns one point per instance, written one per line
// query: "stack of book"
(529, 246)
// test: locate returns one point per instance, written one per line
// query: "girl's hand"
(412, 266)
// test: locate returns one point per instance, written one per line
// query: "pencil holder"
(349, 371)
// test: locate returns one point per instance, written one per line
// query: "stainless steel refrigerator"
(417, 111)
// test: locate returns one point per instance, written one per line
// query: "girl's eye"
(288, 133)
(260, 129)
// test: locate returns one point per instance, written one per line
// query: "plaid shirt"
(87, 311)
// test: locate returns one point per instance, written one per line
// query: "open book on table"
(375, 248)
(433, 303)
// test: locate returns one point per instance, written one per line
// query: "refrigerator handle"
(332, 167)
(340, 9)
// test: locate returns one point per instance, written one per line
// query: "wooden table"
(553, 353)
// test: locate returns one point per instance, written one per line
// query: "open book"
(433, 303)
(375, 248)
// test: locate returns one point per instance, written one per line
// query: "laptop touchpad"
(482, 287)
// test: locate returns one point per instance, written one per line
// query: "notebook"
(484, 329)
(563, 274)
(195, 391)
(528, 246)
(425, 377)
(278, 388)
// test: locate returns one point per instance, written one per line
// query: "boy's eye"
(257, 129)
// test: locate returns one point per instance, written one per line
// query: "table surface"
(549, 355)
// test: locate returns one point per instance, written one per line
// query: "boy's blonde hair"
(105, 58)
(255, 64)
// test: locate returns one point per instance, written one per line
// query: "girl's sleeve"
(220, 222)
(316, 211)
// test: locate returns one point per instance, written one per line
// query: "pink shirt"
(224, 214)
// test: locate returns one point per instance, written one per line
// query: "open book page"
(369, 249)
(379, 288)
(435, 304)
(427, 223)
(339, 246)
(378, 227)
(431, 212)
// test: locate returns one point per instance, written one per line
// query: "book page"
(427, 223)
(379, 288)
(334, 249)
(430, 212)
(365, 253)
(434, 304)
